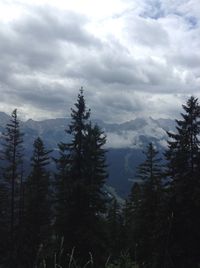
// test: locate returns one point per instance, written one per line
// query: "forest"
(67, 218)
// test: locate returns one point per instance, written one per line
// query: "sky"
(134, 58)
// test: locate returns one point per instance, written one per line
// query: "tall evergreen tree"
(62, 192)
(94, 197)
(144, 207)
(79, 183)
(37, 204)
(95, 172)
(70, 176)
(12, 153)
(183, 157)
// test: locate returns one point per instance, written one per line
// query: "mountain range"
(125, 142)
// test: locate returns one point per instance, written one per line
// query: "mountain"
(125, 142)
(137, 133)
(4, 118)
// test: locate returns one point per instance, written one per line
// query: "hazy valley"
(125, 143)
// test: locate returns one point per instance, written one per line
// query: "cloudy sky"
(133, 57)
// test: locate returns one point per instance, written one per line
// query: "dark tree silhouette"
(37, 203)
(12, 153)
(114, 229)
(80, 198)
(183, 171)
(144, 207)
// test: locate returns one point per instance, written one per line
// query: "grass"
(124, 260)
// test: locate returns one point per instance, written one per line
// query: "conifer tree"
(183, 171)
(70, 177)
(62, 192)
(95, 172)
(144, 207)
(11, 155)
(80, 198)
(37, 203)
(94, 197)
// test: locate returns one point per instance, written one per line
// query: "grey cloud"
(121, 102)
(46, 25)
(30, 49)
(153, 9)
(139, 75)
(110, 66)
(191, 60)
(22, 53)
(104, 67)
(147, 32)
(40, 96)
(36, 41)
(112, 75)
(114, 105)
(47, 55)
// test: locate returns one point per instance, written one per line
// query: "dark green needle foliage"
(11, 183)
(69, 179)
(37, 217)
(183, 171)
(80, 198)
(143, 207)
(158, 225)
(94, 199)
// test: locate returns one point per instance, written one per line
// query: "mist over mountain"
(125, 142)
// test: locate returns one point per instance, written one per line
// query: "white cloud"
(133, 57)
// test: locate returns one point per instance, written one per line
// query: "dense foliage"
(68, 219)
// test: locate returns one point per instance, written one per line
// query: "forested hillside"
(67, 218)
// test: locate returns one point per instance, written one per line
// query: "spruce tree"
(144, 208)
(69, 179)
(80, 197)
(183, 157)
(37, 204)
(11, 155)
(94, 197)
(95, 168)
(62, 192)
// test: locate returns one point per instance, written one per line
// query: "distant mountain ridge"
(125, 142)
(130, 134)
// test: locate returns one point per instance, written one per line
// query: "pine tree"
(95, 172)
(94, 197)
(80, 198)
(144, 208)
(12, 158)
(69, 179)
(183, 171)
(37, 203)
(62, 192)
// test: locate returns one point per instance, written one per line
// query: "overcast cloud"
(133, 57)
